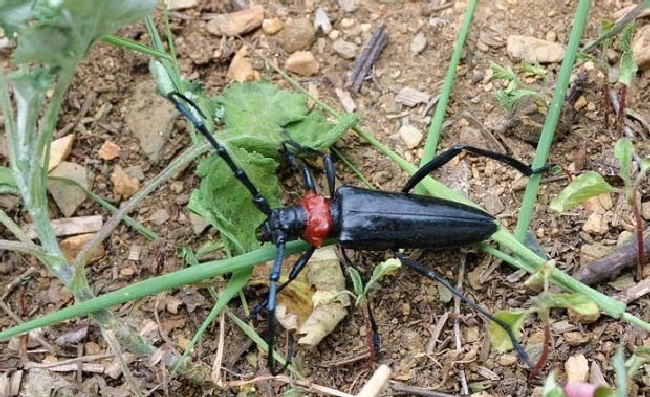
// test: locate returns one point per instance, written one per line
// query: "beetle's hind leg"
(446, 156)
(430, 274)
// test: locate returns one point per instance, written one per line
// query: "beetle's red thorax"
(319, 218)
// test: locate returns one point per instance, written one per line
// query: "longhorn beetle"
(364, 219)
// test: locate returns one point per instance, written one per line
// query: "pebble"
(109, 151)
(577, 369)
(150, 119)
(124, 185)
(349, 5)
(345, 49)
(532, 49)
(198, 223)
(136, 172)
(241, 68)
(298, 35)
(236, 23)
(411, 97)
(595, 224)
(303, 63)
(322, 21)
(60, 150)
(641, 48)
(645, 210)
(418, 44)
(272, 26)
(410, 135)
(67, 197)
(71, 247)
(174, 5)
(346, 100)
(160, 217)
(347, 23)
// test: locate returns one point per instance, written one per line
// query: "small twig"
(377, 383)
(418, 391)
(286, 379)
(610, 266)
(368, 57)
(218, 358)
(459, 342)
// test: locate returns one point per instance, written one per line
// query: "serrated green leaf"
(576, 302)
(224, 202)
(587, 185)
(498, 336)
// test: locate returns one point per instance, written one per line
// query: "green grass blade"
(546, 138)
(134, 46)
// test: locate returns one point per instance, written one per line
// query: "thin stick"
(457, 336)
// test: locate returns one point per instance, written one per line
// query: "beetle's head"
(287, 223)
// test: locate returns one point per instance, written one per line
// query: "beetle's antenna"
(446, 156)
(189, 109)
(428, 273)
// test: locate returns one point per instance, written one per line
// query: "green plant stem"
(431, 144)
(546, 138)
(154, 286)
(14, 228)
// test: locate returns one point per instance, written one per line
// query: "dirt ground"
(407, 308)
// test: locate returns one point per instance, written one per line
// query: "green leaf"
(587, 185)
(551, 387)
(621, 372)
(628, 62)
(645, 165)
(624, 150)
(357, 283)
(7, 182)
(498, 336)
(389, 266)
(226, 203)
(63, 30)
(576, 302)
(15, 15)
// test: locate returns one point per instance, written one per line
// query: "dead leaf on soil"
(314, 303)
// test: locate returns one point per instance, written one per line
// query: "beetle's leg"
(430, 274)
(446, 156)
(327, 161)
(270, 307)
(193, 113)
(295, 271)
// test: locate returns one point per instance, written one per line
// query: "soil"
(407, 308)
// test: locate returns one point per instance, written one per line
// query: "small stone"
(272, 26)
(124, 185)
(322, 21)
(109, 151)
(532, 49)
(345, 49)
(236, 23)
(507, 360)
(347, 23)
(298, 34)
(198, 224)
(67, 197)
(575, 338)
(641, 47)
(60, 150)
(71, 247)
(410, 135)
(334, 34)
(576, 317)
(160, 217)
(134, 253)
(580, 103)
(577, 369)
(418, 44)
(136, 172)
(303, 63)
(346, 100)
(595, 224)
(411, 97)
(349, 5)
(241, 68)
(176, 187)
(175, 5)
